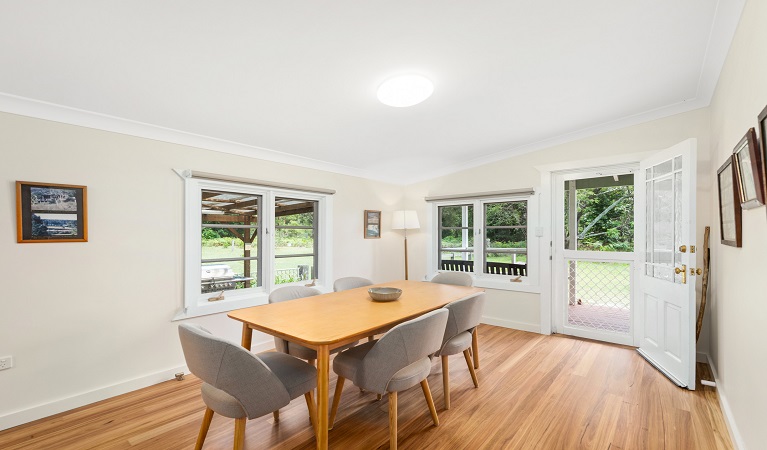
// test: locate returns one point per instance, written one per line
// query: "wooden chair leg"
(371, 338)
(446, 381)
(336, 401)
(379, 396)
(204, 428)
(311, 361)
(309, 396)
(276, 415)
(239, 433)
(471, 368)
(430, 402)
(475, 348)
(392, 420)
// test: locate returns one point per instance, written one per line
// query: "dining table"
(328, 321)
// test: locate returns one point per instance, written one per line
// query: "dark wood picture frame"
(730, 212)
(750, 171)
(763, 141)
(372, 228)
(50, 212)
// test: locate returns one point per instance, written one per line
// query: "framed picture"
(748, 166)
(729, 205)
(372, 224)
(47, 212)
(763, 138)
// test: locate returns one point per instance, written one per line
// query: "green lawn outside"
(213, 252)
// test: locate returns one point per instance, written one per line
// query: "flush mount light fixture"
(405, 90)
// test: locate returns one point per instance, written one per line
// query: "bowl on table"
(384, 294)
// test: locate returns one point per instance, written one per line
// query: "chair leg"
(276, 415)
(430, 401)
(379, 396)
(392, 420)
(204, 428)
(471, 368)
(239, 433)
(309, 396)
(446, 381)
(475, 348)
(371, 338)
(336, 401)
(311, 361)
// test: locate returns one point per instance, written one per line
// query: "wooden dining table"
(328, 321)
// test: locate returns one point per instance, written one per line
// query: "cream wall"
(84, 321)
(739, 302)
(520, 309)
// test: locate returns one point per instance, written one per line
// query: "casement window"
(491, 237)
(243, 240)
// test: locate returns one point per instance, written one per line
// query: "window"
(488, 237)
(243, 240)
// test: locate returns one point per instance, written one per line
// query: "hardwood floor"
(545, 392)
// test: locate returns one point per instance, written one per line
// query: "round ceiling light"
(405, 90)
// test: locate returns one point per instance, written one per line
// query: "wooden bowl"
(384, 294)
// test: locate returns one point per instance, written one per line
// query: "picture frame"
(51, 212)
(372, 228)
(763, 141)
(750, 171)
(730, 212)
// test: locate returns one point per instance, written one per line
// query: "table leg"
(475, 348)
(323, 359)
(247, 336)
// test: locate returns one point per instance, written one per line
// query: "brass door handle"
(683, 272)
(683, 248)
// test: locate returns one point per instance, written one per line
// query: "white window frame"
(529, 283)
(195, 303)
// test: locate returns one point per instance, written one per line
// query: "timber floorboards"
(535, 391)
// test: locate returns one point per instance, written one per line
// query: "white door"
(666, 328)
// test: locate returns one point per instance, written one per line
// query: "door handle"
(683, 272)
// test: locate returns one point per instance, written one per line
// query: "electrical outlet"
(6, 362)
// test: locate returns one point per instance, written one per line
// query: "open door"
(667, 283)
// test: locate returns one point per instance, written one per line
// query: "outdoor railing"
(495, 268)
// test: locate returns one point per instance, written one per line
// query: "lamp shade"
(404, 220)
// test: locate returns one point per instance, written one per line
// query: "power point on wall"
(6, 362)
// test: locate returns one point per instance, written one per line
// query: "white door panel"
(666, 286)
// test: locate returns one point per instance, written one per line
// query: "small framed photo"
(730, 225)
(48, 212)
(748, 166)
(372, 224)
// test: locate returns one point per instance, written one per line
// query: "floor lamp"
(405, 220)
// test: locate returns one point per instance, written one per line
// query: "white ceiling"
(295, 81)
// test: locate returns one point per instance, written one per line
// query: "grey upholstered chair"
(455, 278)
(343, 284)
(291, 348)
(240, 385)
(399, 360)
(465, 315)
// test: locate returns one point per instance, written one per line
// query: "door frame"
(548, 174)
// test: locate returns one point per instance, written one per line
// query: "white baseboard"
(36, 412)
(532, 327)
(737, 440)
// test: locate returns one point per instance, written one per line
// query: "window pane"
(505, 232)
(457, 261)
(463, 239)
(600, 212)
(456, 216)
(505, 214)
(229, 241)
(295, 235)
(506, 238)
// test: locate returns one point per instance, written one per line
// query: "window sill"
(505, 284)
(240, 302)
